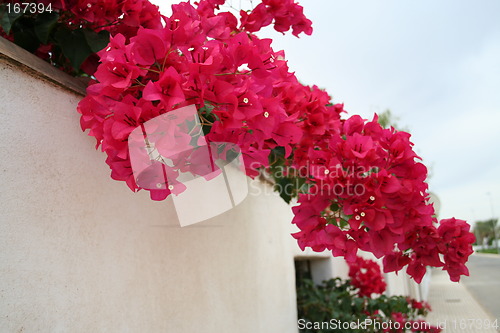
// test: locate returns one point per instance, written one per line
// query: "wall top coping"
(31, 64)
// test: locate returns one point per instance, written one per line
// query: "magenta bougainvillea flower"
(365, 275)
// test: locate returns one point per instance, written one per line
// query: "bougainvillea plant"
(358, 305)
(358, 185)
(68, 33)
(365, 275)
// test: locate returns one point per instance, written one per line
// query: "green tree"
(387, 119)
(486, 231)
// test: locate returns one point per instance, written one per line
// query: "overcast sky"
(435, 64)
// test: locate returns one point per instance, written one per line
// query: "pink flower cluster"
(284, 13)
(200, 58)
(455, 245)
(420, 306)
(114, 16)
(368, 192)
(365, 275)
(363, 185)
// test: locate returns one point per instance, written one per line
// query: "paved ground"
(453, 306)
(484, 281)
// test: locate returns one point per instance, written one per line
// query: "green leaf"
(24, 34)
(45, 24)
(96, 41)
(73, 45)
(284, 186)
(278, 152)
(232, 154)
(7, 19)
(220, 148)
(27, 40)
(206, 129)
(207, 109)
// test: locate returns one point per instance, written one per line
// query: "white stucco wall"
(80, 252)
